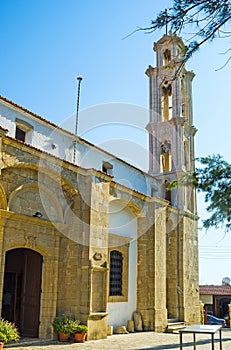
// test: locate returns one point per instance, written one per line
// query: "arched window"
(166, 101)
(168, 194)
(116, 273)
(166, 57)
(165, 157)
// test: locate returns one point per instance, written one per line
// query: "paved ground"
(135, 341)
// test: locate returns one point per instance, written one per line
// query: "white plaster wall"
(123, 173)
(124, 223)
(50, 139)
(43, 136)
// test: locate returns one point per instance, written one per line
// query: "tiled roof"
(215, 290)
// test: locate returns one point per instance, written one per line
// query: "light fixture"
(38, 214)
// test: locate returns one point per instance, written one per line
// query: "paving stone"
(134, 341)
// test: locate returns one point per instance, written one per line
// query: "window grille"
(116, 272)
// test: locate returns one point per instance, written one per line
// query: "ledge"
(97, 315)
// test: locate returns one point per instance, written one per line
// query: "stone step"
(174, 327)
(173, 320)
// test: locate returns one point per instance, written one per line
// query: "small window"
(107, 168)
(22, 129)
(116, 273)
(20, 134)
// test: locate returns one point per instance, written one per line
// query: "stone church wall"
(73, 238)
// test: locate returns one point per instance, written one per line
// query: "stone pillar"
(188, 267)
(98, 257)
(151, 291)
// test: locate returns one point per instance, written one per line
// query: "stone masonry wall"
(151, 281)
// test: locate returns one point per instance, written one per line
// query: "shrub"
(8, 331)
(81, 328)
(65, 324)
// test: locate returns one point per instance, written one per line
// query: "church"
(75, 240)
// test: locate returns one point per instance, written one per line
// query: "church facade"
(75, 240)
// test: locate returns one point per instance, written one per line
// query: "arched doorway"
(22, 289)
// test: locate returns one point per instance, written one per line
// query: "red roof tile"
(215, 290)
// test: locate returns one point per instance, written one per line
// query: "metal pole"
(77, 119)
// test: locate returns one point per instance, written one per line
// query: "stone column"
(151, 291)
(98, 257)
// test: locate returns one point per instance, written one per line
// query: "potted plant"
(8, 332)
(64, 326)
(80, 332)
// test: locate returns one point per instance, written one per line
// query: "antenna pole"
(77, 118)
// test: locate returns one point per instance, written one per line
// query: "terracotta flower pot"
(1, 345)
(80, 337)
(62, 337)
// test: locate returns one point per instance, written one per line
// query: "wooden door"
(22, 289)
(31, 289)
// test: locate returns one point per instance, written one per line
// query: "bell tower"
(170, 127)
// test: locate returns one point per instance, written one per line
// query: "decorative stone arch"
(42, 172)
(135, 207)
(43, 206)
(44, 251)
(3, 201)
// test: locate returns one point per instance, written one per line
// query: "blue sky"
(46, 44)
